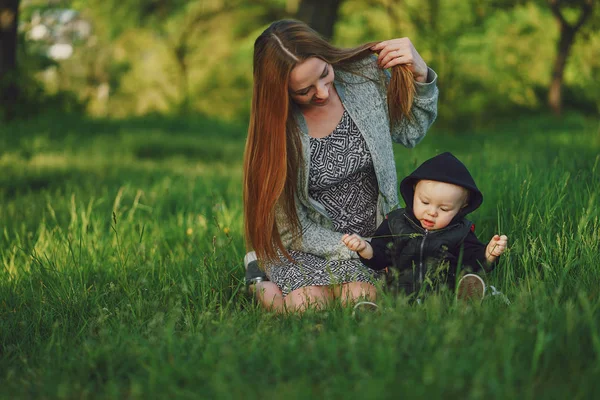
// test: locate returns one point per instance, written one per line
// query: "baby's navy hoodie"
(415, 255)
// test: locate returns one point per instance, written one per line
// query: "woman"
(319, 160)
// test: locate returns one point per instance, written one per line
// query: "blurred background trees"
(120, 58)
(9, 17)
(568, 31)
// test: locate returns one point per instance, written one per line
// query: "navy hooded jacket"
(403, 245)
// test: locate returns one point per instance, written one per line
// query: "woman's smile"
(320, 102)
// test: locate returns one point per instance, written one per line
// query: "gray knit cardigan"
(366, 103)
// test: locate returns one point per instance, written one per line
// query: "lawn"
(121, 273)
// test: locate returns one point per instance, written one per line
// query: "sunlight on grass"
(122, 275)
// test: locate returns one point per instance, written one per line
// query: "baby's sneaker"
(363, 308)
(470, 287)
(495, 293)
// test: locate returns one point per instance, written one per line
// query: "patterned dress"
(342, 178)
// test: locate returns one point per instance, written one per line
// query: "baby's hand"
(359, 245)
(354, 242)
(496, 247)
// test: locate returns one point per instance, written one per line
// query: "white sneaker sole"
(249, 257)
(364, 307)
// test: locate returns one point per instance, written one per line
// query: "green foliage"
(123, 15)
(121, 272)
(32, 97)
(482, 53)
(176, 57)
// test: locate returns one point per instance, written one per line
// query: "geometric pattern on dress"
(342, 178)
(311, 270)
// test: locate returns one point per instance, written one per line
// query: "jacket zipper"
(422, 249)
(421, 267)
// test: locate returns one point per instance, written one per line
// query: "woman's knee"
(269, 295)
(309, 296)
(353, 291)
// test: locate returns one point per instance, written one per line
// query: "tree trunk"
(9, 17)
(320, 15)
(567, 37)
(184, 101)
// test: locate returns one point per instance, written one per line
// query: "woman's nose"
(322, 91)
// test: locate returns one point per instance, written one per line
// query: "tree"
(321, 15)
(180, 27)
(571, 16)
(568, 31)
(9, 17)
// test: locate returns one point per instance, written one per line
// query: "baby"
(431, 234)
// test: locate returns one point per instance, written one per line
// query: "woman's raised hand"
(401, 51)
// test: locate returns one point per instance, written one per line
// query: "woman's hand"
(398, 52)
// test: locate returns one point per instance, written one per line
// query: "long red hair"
(273, 159)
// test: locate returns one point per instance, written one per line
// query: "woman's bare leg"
(269, 296)
(353, 291)
(310, 296)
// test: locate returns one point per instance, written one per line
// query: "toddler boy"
(427, 240)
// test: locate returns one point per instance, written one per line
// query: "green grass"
(121, 274)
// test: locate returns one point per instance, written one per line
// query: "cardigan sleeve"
(313, 238)
(409, 132)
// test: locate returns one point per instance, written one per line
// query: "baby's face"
(436, 203)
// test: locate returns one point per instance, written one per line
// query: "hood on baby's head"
(447, 168)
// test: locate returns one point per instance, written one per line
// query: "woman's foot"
(259, 287)
(254, 274)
